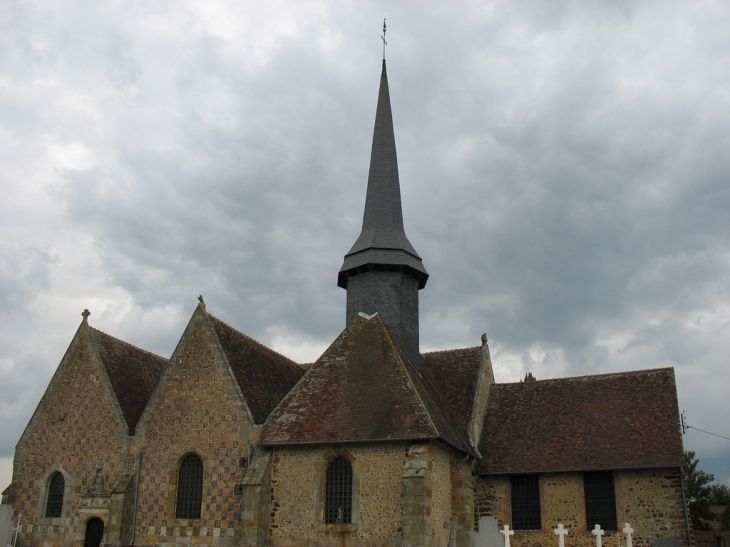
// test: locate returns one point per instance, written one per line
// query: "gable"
(196, 393)
(77, 408)
(607, 421)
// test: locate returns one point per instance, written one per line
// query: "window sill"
(337, 528)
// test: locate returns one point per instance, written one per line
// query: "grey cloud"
(562, 167)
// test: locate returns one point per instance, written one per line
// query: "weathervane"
(383, 38)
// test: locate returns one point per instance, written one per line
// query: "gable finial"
(85, 314)
(383, 38)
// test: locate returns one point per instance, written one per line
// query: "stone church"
(375, 444)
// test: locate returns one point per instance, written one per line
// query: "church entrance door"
(94, 531)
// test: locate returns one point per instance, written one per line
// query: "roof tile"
(607, 421)
(133, 373)
(263, 375)
(361, 389)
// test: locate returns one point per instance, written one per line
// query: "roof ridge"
(256, 342)
(405, 363)
(604, 375)
(449, 350)
(128, 343)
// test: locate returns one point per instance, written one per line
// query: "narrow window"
(526, 502)
(189, 488)
(338, 492)
(600, 499)
(54, 502)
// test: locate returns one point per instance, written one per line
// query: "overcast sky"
(564, 170)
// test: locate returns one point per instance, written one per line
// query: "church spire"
(382, 272)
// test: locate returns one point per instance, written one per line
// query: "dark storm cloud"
(563, 171)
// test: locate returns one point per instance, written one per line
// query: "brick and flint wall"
(197, 410)
(79, 431)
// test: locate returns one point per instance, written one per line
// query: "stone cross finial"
(507, 533)
(598, 533)
(628, 531)
(85, 314)
(561, 531)
(484, 338)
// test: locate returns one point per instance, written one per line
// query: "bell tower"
(382, 272)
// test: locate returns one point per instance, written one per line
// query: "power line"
(703, 431)
(685, 426)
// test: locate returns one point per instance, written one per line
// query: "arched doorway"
(94, 531)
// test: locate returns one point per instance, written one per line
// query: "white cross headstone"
(507, 533)
(598, 533)
(628, 530)
(561, 531)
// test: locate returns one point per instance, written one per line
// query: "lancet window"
(189, 488)
(54, 501)
(338, 492)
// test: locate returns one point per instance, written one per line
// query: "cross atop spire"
(383, 38)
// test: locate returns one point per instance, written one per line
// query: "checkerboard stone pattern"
(75, 429)
(197, 409)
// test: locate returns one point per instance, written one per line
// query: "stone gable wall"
(650, 500)
(197, 409)
(75, 429)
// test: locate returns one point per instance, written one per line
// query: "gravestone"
(488, 534)
(561, 531)
(6, 524)
(665, 542)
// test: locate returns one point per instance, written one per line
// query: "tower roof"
(383, 240)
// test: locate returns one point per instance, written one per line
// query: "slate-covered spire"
(382, 272)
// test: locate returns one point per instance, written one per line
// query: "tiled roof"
(608, 421)
(263, 375)
(133, 373)
(361, 389)
(453, 375)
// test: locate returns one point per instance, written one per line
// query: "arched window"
(54, 501)
(189, 488)
(338, 492)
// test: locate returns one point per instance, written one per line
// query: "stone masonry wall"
(196, 410)
(297, 482)
(650, 500)
(654, 498)
(441, 514)
(76, 429)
